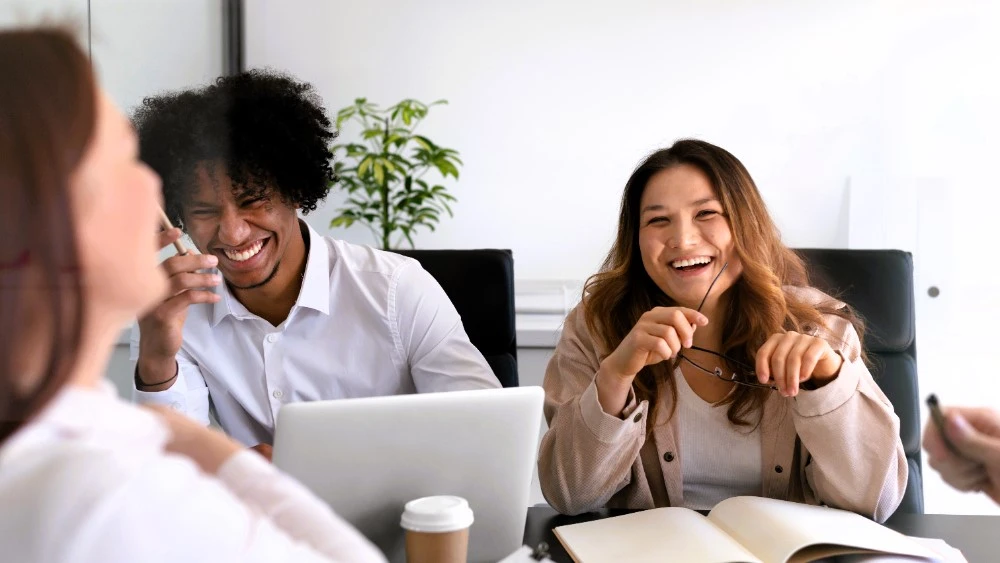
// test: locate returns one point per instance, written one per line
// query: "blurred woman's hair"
(48, 107)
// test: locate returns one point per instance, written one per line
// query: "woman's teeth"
(247, 254)
(691, 262)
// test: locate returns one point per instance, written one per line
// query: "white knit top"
(718, 460)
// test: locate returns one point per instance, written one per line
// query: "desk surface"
(977, 536)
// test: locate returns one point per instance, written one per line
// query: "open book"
(737, 530)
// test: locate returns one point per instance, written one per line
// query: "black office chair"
(481, 285)
(879, 285)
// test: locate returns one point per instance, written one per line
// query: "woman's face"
(684, 238)
(115, 198)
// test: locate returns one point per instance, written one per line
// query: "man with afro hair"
(268, 311)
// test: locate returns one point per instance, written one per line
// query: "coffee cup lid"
(437, 514)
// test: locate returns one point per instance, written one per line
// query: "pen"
(938, 416)
(181, 249)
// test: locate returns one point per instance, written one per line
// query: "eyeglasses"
(733, 377)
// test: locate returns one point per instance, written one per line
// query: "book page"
(774, 530)
(653, 536)
(944, 553)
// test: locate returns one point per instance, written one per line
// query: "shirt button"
(272, 338)
(176, 406)
(668, 457)
(638, 417)
(277, 394)
(778, 469)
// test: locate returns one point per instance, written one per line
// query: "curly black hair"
(268, 129)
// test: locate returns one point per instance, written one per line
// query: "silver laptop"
(368, 457)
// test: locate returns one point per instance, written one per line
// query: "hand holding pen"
(171, 232)
(162, 328)
(963, 445)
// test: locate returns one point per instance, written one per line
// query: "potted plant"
(385, 174)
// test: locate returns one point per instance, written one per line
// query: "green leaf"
(345, 114)
(400, 161)
(356, 150)
(342, 221)
(446, 168)
(395, 138)
(452, 155)
(379, 172)
(424, 142)
(365, 164)
(423, 156)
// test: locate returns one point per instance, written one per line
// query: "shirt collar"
(314, 293)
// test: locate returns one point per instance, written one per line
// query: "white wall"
(553, 103)
(144, 47)
(865, 124)
(17, 13)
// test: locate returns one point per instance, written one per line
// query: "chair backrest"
(878, 284)
(481, 285)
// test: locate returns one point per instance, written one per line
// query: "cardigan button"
(778, 469)
(668, 457)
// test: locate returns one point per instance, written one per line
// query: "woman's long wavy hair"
(615, 298)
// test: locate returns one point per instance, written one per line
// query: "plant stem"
(385, 196)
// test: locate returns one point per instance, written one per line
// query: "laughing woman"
(701, 365)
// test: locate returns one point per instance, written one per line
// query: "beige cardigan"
(838, 445)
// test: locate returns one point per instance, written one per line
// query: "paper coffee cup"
(437, 529)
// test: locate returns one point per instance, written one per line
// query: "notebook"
(739, 529)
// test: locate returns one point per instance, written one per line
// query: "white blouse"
(88, 480)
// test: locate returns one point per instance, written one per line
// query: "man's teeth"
(691, 262)
(247, 254)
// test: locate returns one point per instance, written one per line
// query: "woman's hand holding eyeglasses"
(790, 358)
(658, 336)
